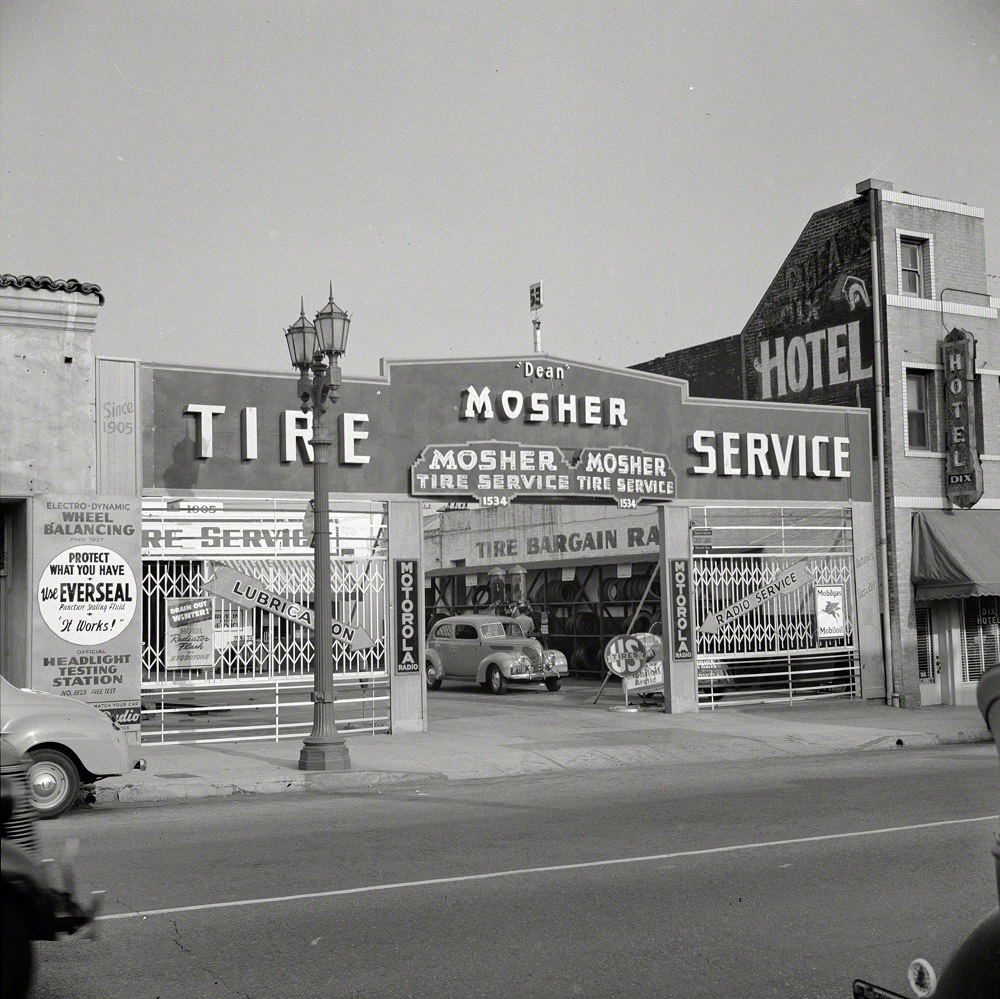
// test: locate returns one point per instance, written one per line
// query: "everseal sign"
(86, 637)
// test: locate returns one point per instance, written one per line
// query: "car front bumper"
(536, 674)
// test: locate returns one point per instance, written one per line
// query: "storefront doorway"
(928, 657)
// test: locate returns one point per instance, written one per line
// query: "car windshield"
(502, 629)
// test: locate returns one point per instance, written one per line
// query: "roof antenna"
(535, 294)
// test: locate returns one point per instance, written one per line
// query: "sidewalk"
(530, 732)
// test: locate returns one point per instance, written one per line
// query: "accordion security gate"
(775, 651)
(260, 681)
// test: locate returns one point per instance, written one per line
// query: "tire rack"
(584, 613)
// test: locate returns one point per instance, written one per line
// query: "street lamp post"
(316, 350)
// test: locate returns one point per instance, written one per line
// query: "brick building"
(883, 302)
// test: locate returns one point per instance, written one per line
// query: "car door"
(442, 641)
(466, 651)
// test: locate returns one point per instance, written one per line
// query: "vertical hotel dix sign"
(963, 476)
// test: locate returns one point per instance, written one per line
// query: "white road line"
(521, 871)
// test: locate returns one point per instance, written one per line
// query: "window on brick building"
(914, 267)
(918, 416)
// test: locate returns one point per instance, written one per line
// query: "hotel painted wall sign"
(497, 472)
(963, 473)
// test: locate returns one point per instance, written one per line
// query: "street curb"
(918, 740)
(153, 789)
(356, 781)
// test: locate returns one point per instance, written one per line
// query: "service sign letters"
(501, 430)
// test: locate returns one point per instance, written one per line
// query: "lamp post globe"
(315, 350)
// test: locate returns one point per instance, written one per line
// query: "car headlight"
(521, 664)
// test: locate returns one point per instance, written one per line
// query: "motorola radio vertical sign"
(963, 474)
(408, 582)
(681, 631)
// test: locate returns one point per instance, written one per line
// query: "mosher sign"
(502, 429)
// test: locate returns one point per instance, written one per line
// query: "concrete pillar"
(680, 687)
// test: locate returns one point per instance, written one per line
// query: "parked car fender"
(502, 663)
(95, 754)
(67, 742)
(431, 656)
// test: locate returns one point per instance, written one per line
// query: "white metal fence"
(257, 680)
(791, 645)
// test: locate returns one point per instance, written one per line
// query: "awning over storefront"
(956, 553)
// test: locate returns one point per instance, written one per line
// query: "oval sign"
(87, 595)
(625, 655)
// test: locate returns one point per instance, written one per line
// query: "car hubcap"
(48, 783)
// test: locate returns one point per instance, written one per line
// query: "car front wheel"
(496, 681)
(553, 683)
(53, 781)
(432, 676)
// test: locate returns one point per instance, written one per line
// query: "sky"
(209, 163)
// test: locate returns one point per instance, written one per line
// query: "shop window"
(918, 409)
(923, 402)
(925, 646)
(916, 276)
(980, 637)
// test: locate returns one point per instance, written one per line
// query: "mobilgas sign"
(500, 430)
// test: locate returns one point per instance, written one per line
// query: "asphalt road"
(783, 878)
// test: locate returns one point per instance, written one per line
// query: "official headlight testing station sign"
(87, 639)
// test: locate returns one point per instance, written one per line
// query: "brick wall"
(712, 370)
